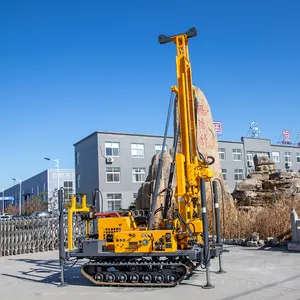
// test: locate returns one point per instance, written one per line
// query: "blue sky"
(68, 68)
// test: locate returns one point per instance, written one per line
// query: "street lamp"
(57, 166)
(20, 202)
(2, 201)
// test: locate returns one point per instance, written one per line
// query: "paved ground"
(251, 274)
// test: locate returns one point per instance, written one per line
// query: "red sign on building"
(286, 135)
(218, 127)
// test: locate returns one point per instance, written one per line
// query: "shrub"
(269, 221)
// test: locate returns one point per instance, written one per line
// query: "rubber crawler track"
(177, 268)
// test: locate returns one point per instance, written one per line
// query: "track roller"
(136, 272)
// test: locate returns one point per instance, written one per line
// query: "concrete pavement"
(251, 274)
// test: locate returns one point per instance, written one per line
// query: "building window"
(112, 149)
(298, 157)
(222, 153)
(113, 174)
(224, 173)
(44, 190)
(77, 158)
(77, 180)
(68, 188)
(158, 148)
(237, 154)
(135, 195)
(114, 201)
(238, 174)
(138, 174)
(249, 159)
(137, 150)
(288, 159)
(276, 156)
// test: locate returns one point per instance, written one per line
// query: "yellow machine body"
(123, 235)
(148, 241)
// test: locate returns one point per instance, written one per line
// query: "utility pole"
(20, 195)
(57, 166)
(3, 201)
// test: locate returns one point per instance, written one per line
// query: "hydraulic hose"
(186, 225)
(205, 223)
(159, 168)
(107, 214)
(223, 206)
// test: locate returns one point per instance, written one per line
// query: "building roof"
(119, 133)
(161, 136)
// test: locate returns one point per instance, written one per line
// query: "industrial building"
(118, 163)
(43, 185)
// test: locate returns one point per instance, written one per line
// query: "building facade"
(43, 185)
(117, 163)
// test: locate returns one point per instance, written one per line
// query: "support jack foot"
(221, 272)
(63, 284)
(208, 286)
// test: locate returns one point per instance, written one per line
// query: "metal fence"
(37, 234)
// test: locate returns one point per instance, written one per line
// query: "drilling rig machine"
(124, 250)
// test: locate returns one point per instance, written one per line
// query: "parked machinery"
(134, 251)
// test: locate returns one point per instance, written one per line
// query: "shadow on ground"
(49, 272)
(279, 248)
(282, 249)
(255, 290)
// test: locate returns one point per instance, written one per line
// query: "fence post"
(62, 256)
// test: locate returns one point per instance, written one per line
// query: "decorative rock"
(241, 242)
(250, 184)
(282, 175)
(229, 242)
(254, 236)
(271, 242)
(252, 244)
(265, 186)
(259, 175)
(284, 243)
(262, 161)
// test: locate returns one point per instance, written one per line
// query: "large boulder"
(146, 190)
(207, 142)
(207, 139)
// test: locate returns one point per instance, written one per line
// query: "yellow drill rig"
(124, 250)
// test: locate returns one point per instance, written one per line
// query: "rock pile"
(254, 241)
(266, 185)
